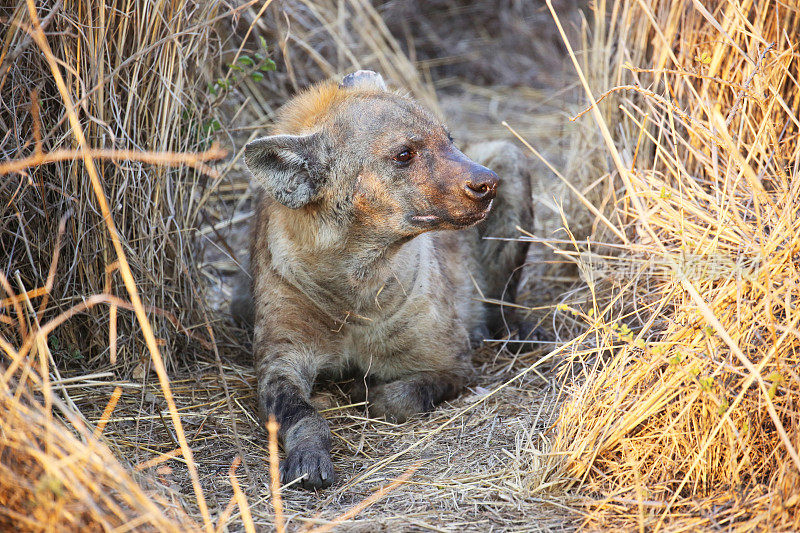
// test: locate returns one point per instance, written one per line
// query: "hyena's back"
(513, 208)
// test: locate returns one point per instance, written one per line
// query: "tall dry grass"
(96, 145)
(136, 73)
(685, 412)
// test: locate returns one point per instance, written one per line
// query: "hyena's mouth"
(444, 221)
(424, 220)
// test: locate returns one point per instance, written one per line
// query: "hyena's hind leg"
(512, 207)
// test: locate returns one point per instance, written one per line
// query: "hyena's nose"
(482, 185)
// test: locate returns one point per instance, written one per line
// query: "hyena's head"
(371, 161)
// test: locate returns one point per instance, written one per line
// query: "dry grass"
(132, 72)
(55, 478)
(482, 459)
(685, 412)
(675, 337)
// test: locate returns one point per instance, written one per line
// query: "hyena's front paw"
(401, 399)
(313, 464)
(396, 401)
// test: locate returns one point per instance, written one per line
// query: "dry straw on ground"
(56, 478)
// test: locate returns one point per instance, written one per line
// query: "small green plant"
(50, 487)
(707, 384)
(242, 68)
(723, 406)
(211, 125)
(776, 378)
(675, 359)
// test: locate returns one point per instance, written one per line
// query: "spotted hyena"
(367, 258)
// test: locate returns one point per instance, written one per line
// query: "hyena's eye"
(404, 156)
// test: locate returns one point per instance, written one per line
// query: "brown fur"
(350, 270)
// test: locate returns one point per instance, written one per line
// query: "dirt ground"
(481, 460)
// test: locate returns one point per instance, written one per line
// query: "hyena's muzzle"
(458, 193)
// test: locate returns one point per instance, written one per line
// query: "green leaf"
(723, 407)
(267, 66)
(257, 76)
(773, 390)
(211, 126)
(246, 60)
(262, 41)
(776, 376)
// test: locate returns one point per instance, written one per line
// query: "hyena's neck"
(371, 267)
(344, 275)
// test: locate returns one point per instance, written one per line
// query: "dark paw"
(357, 390)
(478, 334)
(314, 465)
(528, 337)
(532, 332)
(395, 401)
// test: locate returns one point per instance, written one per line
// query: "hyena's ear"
(289, 167)
(364, 79)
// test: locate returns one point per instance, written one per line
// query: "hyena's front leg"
(285, 377)
(398, 400)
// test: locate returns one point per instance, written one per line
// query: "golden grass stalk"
(125, 269)
(152, 158)
(274, 474)
(692, 420)
(241, 499)
(366, 502)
